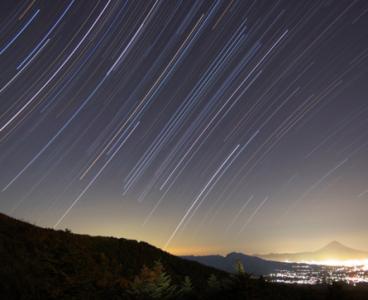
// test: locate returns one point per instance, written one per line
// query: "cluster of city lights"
(350, 272)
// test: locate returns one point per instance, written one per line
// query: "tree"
(152, 283)
(239, 268)
(240, 271)
(240, 281)
(213, 283)
(186, 287)
(186, 290)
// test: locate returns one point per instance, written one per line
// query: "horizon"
(336, 264)
(181, 252)
(196, 126)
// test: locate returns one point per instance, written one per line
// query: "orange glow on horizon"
(184, 251)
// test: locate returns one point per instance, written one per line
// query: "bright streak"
(197, 198)
(19, 33)
(56, 72)
(95, 177)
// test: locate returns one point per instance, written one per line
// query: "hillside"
(47, 264)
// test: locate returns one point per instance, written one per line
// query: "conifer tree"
(152, 283)
(213, 283)
(186, 286)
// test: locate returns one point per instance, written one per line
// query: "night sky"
(199, 127)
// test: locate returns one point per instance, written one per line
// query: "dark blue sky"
(200, 127)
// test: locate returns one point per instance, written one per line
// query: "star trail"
(198, 126)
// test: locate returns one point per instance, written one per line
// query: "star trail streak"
(210, 125)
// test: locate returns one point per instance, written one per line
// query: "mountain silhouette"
(253, 264)
(266, 264)
(332, 251)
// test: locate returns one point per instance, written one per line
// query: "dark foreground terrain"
(38, 263)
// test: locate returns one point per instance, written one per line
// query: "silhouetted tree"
(186, 286)
(213, 283)
(335, 291)
(67, 230)
(186, 289)
(239, 268)
(261, 282)
(152, 284)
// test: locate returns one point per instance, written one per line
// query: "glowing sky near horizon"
(197, 126)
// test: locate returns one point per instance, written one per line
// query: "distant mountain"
(266, 264)
(252, 264)
(39, 263)
(332, 251)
